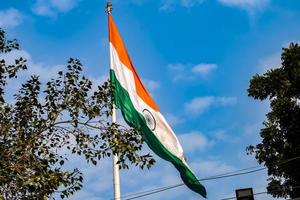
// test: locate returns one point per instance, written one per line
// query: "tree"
(279, 150)
(44, 122)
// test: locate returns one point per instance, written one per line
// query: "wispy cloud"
(252, 129)
(174, 120)
(151, 85)
(44, 71)
(11, 56)
(249, 5)
(199, 105)
(270, 62)
(52, 7)
(194, 141)
(223, 136)
(93, 183)
(212, 167)
(181, 71)
(177, 71)
(10, 18)
(203, 69)
(168, 5)
(225, 101)
(273, 60)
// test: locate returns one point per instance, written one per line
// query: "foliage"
(281, 131)
(41, 128)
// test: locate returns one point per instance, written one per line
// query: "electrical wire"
(176, 185)
(219, 176)
(181, 184)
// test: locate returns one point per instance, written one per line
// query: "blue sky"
(195, 56)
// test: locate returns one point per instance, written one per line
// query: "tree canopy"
(279, 149)
(44, 123)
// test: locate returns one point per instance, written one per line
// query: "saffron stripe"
(116, 40)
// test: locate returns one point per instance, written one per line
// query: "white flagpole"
(115, 165)
(116, 176)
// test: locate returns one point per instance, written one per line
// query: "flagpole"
(116, 174)
(117, 193)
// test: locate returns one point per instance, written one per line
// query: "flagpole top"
(108, 7)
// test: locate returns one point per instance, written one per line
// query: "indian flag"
(141, 112)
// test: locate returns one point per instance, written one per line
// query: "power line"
(219, 176)
(172, 186)
(181, 184)
(177, 185)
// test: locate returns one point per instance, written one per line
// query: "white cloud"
(225, 101)
(42, 8)
(45, 72)
(98, 81)
(270, 62)
(162, 174)
(273, 60)
(10, 57)
(151, 85)
(52, 7)
(199, 105)
(204, 69)
(190, 3)
(98, 180)
(211, 167)
(181, 71)
(173, 120)
(168, 5)
(93, 182)
(194, 141)
(245, 4)
(83, 194)
(10, 18)
(221, 135)
(136, 2)
(251, 133)
(177, 71)
(249, 5)
(42, 70)
(63, 5)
